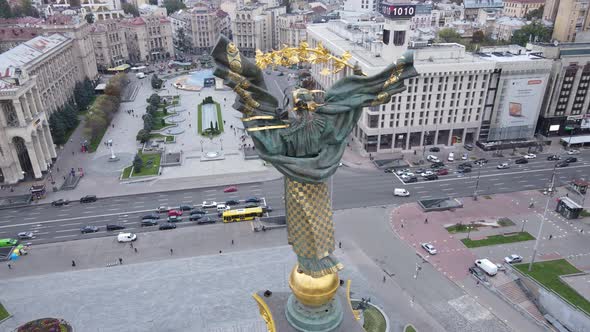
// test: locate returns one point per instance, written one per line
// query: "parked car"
(410, 179)
(429, 248)
(206, 220)
(554, 157)
(174, 219)
(251, 205)
(151, 216)
(389, 170)
(195, 217)
(464, 165)
(174, 213)
(468, 147)
(562, 164)
(408, 174)
(230, 189)
(464, 156)
(512, 259)
(89, 229)
(438, 164)
(199, 211)
(503, 166)
(442, 171)
(126, 237)
(8, 243)
(253, 200)
(486, 265)
(432, 158)
(114, 227)
(402, 171)
(530, 156)
(521, 161)
(185, 208)
(161, 209)
(209, 204)
(60, 202)
(232, 202)
(420, 170)
(481, 161)
(573, 151)
(167, 225)
(478, 273)
(431, 177)
(434, 149)
(571, 160)
(426, 173)
(88, 199)
(149, 222)
(25, 235)
(451, 156)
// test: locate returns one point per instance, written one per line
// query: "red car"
(173, 213)
(442, 171)
(230, 189)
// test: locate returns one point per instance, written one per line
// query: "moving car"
(573, 151)
(25, 235)
(185, 208)
(165, 226)
(451, 156)
(174, 219)
(432, 158)
(89, 229)
(401, 192)
(478, 273)
(562, 164)
(151, 216)
(512, 259)
(162, 209)
(571, 160)
(486, 265)
(442, 171)
(521, 161)
(464, 170)
(530, 156)
(481, 161)
(8, 242)
(429, 248)
(222, 207)
(503, 166)
(114, 227)
(199, 211)
(149, 222)
(206, 220)
(253, 200)
(431, 177)
(174, 213)
(464, 156)
(437, 164)
(60, 202)
(209, 204)
(554, 157)
(468, 147)
(126, 237)
(230, 189)
(434, 149)
(88, 199)
(232, 202)
(466, 164)
(195, 217)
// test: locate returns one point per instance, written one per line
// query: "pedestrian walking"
(73, 153)
(581, 231)
(220, 252)
(135, 250)
(58, 169)
(426, 221)
(171, 251)
(384, 279)
(550, 236)
(131, 245)
(339, 244)
(402, 225)
(232, 242)
(73, 263)
(120, 261)
(477, 284)
(64, 177)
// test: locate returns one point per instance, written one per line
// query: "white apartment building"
(110, 44)
(292, 29)
(255, 27)
(449, 103)
(361, 6)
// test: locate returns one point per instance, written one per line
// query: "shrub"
(154, 99)
(137, 163)
(143, 136)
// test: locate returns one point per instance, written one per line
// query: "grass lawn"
(374, 321)
(95, 142)
(498, 239)
(152, 169)
(127, 172)
(547, 273)
(200, 119)
(219, 118)
(3, 312)
(158, 120)
(409, 328)
(584, 213)
(167, 138)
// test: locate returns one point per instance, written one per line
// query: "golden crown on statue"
(288, 56)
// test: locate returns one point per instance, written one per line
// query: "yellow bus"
(242, 214)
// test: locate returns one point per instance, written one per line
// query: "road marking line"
(529, 185)
(447, 189)
(58, 237)
(29, 218)
(445, 184)
(188, 197)
(77, 223)
(67, 230)
(62, 215)
(86, 212)
(35, 213)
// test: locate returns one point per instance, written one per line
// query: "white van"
(140, 75)
(451, 156)
(222, 207)
(486, 265)
(401, 192)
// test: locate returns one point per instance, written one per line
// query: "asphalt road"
(352, 188)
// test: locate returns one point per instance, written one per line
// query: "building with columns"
(36, 78)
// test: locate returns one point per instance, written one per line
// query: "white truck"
(401, 192)
(486, 265)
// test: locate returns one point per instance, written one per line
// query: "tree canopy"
(448, 35)
(22, 9)
(531, 32)
(130, 8)
(535, 13)
(173, 5)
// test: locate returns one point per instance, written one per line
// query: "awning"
(576, 139)
(570, 203)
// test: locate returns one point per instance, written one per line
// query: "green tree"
(535, 13)
(156, 82)
(211, 125)
(448, 35)
(154, 99)
(181, 41)
(57, 129)
(143, 136)
(69, 116)
(129, 8)
(478, 36)
(162, 122)
(26, 9)
(151, 109)
(148, 122)
(164, 110)
(173, 5)
(5, 10)
(137, 163)
(534, 31)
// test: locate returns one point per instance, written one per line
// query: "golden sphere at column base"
(313, 292)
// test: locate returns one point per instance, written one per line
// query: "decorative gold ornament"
(382, 98)
(265, 313)
(311, 291)
(288, 56)
(356, 313)
(234, 58)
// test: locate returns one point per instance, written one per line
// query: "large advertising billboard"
(522, 101)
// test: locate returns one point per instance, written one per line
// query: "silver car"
(25, 235)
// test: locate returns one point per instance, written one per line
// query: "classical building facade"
(110, 44)
(37, 77)
(255, 27)
(292, 29)
(202, 26)
(519, 8)
(149, 38)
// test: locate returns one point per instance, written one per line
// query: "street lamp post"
(221, 142)
(201, 146)
(523, 223)
(470, 228)
(477, 183)
(549, 195)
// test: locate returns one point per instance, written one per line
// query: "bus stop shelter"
(568, 208)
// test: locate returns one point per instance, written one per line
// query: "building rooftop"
(526, 1)
(510, 21)
(476, 4)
